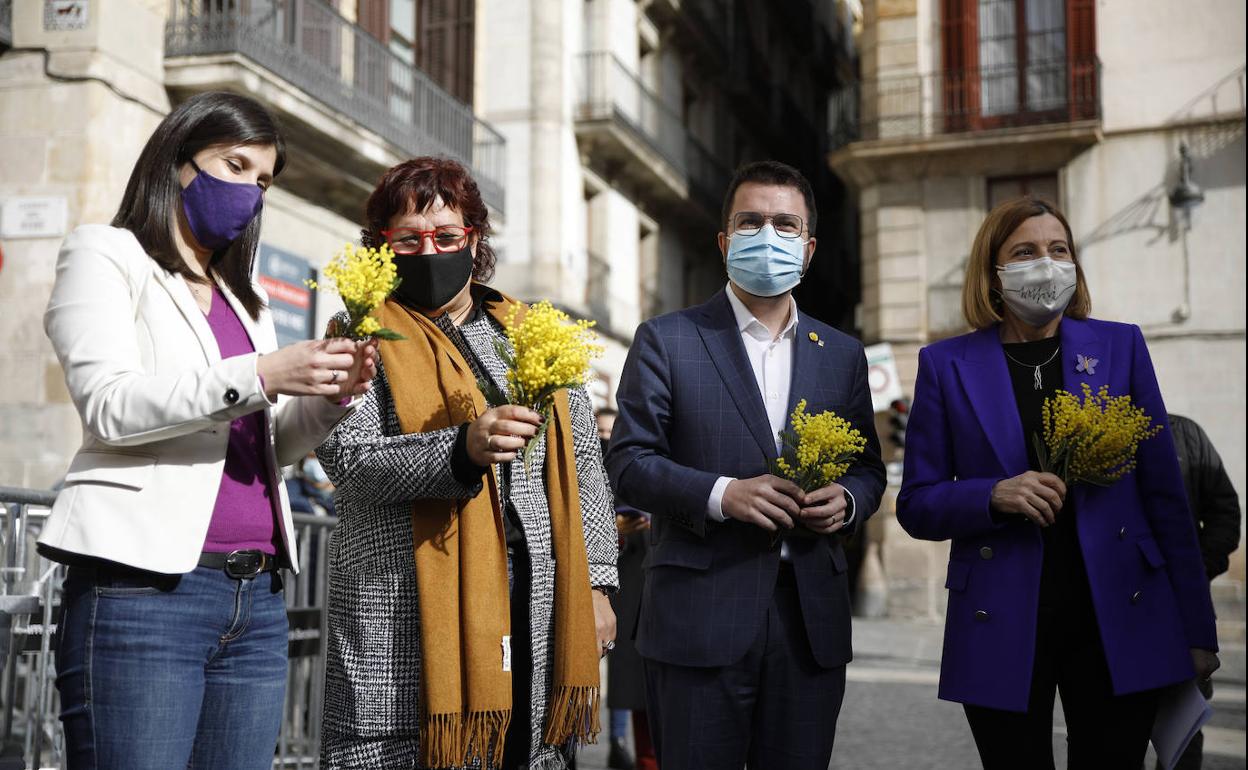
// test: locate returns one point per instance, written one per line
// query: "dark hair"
(414, 185)
(771, 172)
(153, 194)
(607, 411)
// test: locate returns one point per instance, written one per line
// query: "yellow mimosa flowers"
(817, 449)
(548, 353)
(363, 277)
(1094, 440)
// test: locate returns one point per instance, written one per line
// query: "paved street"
(892, 719)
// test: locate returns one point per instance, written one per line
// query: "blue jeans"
(161, 672)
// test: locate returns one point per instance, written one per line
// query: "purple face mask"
(218, 211)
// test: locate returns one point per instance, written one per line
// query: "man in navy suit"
(745, 622)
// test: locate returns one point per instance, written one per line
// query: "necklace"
(200, 292)
(1038, 384)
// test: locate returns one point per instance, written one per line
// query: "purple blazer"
(1138, 540)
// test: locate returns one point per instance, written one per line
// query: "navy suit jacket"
(689, 412)
(1137, 537)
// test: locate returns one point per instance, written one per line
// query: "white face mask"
(1037, 290)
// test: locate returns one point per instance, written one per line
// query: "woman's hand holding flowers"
(359, 377)
(334, 368)
(499, 433)
(1038, 496)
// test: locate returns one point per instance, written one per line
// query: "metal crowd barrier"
(30, 591)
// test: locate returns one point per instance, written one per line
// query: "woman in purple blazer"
(1094, 592)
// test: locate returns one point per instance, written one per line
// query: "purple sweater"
(244, 515)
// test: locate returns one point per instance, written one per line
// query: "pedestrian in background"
(173, 518)
(1215, 507)
(449, 559)
(745, 634)
(309, 487)
(1094, 592)
(626, 682)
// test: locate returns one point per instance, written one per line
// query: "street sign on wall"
(882, 376)
(34, 216)
(291, 302)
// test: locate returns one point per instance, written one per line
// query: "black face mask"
(429, 281)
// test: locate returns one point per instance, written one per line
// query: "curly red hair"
(414, 185)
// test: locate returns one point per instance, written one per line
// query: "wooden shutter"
(374, 17)
(445, 32)
(1081, 58)
(960, 63)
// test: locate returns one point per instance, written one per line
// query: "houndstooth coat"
(372, 681)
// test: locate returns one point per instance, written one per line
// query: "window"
(1017, 62)
(434, 35)
(1002, 189)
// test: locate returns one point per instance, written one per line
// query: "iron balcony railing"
(30, 594)
(6, 23)
(310, 45)
(931, 104)
(608, 90)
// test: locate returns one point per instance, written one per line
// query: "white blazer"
(156, 401)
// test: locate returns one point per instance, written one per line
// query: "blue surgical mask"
(764, 264)
(313, 471)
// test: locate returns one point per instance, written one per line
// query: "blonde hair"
(981, 305)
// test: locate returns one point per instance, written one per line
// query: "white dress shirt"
(771, 360)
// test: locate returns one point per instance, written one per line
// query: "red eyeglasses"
(410, 240)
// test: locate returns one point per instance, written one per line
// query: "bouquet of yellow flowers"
(547, 354)
(1093, 440)
(816, 449)
(363, 277)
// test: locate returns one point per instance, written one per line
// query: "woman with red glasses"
(464, 625)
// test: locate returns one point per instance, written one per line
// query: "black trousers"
(516, 744)
(1104, 731)
(775, 709)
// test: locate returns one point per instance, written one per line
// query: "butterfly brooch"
(1086, 364)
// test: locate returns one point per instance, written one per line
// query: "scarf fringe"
(456, 740)
(573, 716)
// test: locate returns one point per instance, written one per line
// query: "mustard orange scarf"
(461, 565)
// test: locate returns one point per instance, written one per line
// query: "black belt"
(240, 564)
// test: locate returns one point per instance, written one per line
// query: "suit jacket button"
(1122, 534)
(981, 615)
(985, 553)
(231, 396)
(1135, 597)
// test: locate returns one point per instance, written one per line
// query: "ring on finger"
(489, 442)
(334, 373)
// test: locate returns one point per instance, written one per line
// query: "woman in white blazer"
(173, 520)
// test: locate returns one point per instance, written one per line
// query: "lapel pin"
(815, 338)
(1086, 364)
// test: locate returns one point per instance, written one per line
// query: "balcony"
(348, 105)
(977, 115)
(630, 136)
(6, 24)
